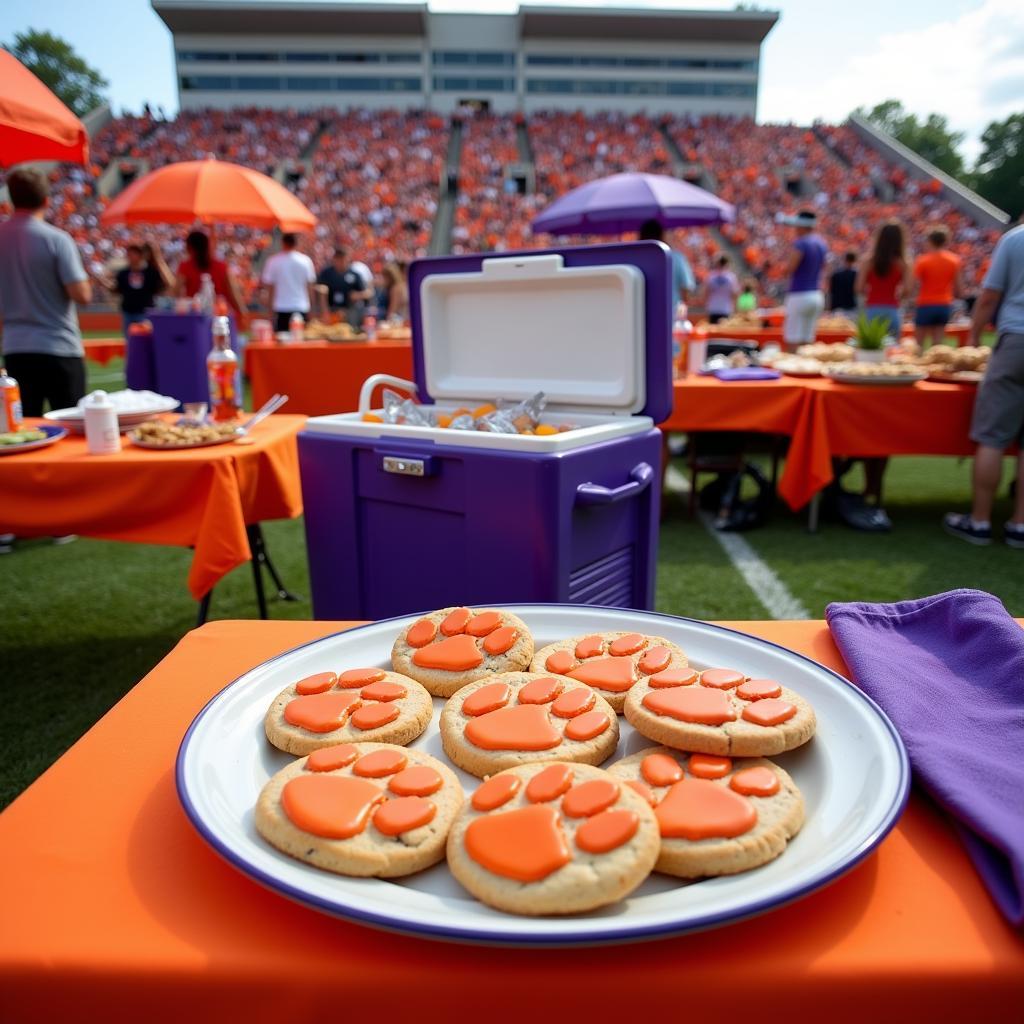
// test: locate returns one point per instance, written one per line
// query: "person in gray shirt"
(998, 420)
(41, 279)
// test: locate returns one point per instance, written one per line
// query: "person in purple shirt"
(804, 299)
(722, 289)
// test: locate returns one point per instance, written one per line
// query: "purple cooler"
(400, 518)
(181, 342)
(139, 363)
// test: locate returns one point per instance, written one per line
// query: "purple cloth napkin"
(744, 373)
(949, 671)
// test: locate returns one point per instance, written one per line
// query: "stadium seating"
(372, 178)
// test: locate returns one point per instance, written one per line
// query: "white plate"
(854, 776)
(74, 418)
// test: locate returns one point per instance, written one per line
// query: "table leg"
(261, 560)
(283, 593)
(256, 550)
(813, 511)
(204, 607)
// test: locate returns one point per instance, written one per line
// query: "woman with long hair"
(397, 291)
(884, 276)
(199, 261)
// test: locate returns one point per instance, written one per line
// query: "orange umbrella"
(211, 191)
(34, 124)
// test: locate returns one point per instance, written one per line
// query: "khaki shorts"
(998, 419)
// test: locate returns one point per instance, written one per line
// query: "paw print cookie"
(364, 809)
(358, 705)
(553, 839)
(520, 717)
(448, 649)
(611, 663)
(719, 711)
(716, 815)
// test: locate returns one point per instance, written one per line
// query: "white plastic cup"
(102, 436)
(696, 353)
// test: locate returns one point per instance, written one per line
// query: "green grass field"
(85, 621)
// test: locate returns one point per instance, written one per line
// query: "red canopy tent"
(34, 124)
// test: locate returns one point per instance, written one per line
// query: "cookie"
(364, 809)
(610, 662)
(448, 649)
(518, 718)
(719, 711)
(553, 839)
(717, 815)
(359, 705)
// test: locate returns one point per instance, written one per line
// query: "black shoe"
(1013, 535)
(859, 515)
(958, 525)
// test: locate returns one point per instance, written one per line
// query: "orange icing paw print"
(356, 705)
(719, 711)
(364, 809)
(612, 663)
(454, 646)
(716, 815)
(553, 838)
(520, 717)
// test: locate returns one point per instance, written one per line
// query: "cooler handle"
(640, 478)
(374, 381)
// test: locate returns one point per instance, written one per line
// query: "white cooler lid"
(524, 324)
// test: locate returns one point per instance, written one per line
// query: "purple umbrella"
(622, 202)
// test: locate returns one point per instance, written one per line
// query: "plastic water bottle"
(102, 436)
(10, 403)
(296, 327)
(207, 294)
(370, 323)
(223, 374)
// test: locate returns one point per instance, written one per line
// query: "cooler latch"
(404, 467)
(399, 463)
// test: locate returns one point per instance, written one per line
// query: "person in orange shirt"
(939, 280)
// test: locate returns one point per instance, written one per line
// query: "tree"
(999, 173)
(54, 62)
(931, 138)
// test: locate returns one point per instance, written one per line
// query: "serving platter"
(73, 418)
(854, 776)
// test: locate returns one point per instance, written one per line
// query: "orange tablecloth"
(322, 377)
(201, 498)
(763, 335)
(102, 350)
(825, 419)
(111, 900)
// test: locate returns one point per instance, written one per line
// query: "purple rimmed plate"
(854, 776)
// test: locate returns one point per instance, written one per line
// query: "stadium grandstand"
(395, 174)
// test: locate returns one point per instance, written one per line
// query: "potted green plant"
(870, 339)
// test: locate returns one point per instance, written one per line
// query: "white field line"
(756, 573)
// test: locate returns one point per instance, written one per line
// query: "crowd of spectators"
(373, 178)
(373, 182)
(766, 170)
(492, 211)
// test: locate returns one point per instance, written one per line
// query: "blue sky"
(963, 58)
